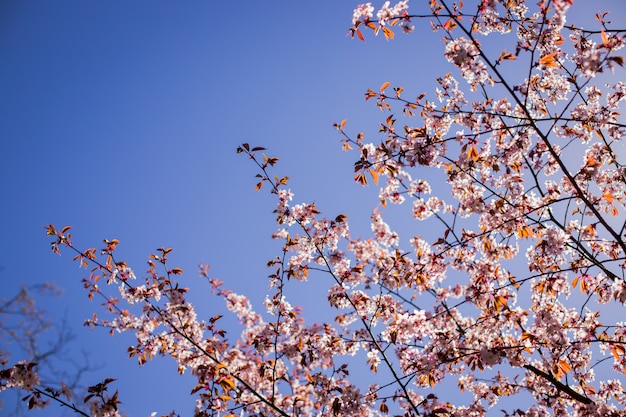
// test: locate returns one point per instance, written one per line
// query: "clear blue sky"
(122, 118)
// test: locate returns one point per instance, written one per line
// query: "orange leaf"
(193, 390)
(527, 336)
(431, 380)
(388, 33)
(608, 197)
(374, 175)
(584, 287)
(360, 35)
(504, 55)
(564, 367)
(360, 178)
(559, 39)
(549, 60)
(524, 232)
(589, 389)
(605, 39)
(590, 229)
(499, 303)
(384, 86)
(450, 24)
(618, 351)
(472, 154)
(591, 162)
(227, 384)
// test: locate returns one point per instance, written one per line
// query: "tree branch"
(559, 385)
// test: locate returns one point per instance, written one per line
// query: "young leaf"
(549, 60)
(360, 178)
(605, 39)
(524, 232)
(374, 175)
(388, 33)
(472, 154)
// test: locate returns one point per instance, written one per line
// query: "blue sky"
(122, 119)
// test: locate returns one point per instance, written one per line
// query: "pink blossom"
(363, 12)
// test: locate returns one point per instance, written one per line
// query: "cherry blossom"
(506, 293)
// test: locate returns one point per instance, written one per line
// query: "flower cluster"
(21, 375)
(465, 55)
(365, 12)
(387, 13)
